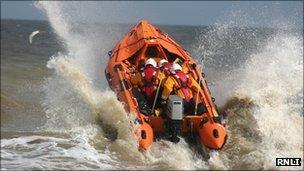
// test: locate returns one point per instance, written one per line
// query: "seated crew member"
(136, 80)
(186, 65)
(181, 84)
(149, 79)
(137, 84)
(163, 72)
(165, 66)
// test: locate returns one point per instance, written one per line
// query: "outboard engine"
(175, 112)
(175, 107)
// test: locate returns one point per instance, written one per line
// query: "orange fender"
(213, 135)
(145, 136)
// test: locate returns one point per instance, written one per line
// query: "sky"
(256, 13)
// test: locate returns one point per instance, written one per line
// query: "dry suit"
(181, 84)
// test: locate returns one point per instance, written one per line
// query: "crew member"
(165, 66)
(163, 72)
(180, 83)
(149, 76)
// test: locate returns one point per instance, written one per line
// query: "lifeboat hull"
(125, 59)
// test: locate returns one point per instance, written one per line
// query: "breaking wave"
(263, 92)
(74, 99)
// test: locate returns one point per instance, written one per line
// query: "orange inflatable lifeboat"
(125, 60)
